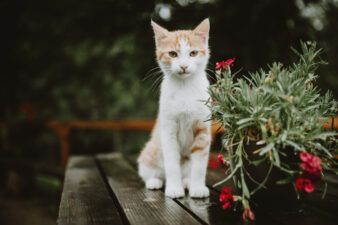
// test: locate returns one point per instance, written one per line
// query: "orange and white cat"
(178, 150)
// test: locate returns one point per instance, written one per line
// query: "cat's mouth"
(183, 73)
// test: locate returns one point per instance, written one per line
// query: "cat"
(178, 150)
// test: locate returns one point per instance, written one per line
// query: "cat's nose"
(184, 68)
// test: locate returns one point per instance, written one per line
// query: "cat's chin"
(183, 75)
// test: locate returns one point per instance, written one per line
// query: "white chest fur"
(183, 102)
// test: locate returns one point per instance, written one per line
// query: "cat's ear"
(202, 30)
(160, 33)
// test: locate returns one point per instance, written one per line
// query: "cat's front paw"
(174, 192)
(199, 192)
(154, 183)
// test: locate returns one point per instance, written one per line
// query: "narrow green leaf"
(276, 156)
(244, 121)
(325, 190)
(293, 144)
(245, 188)
(257, 162)
(267, 148)
(229, 176)
(285, 181)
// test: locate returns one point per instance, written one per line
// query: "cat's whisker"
(210, 71)
(210, 67)
(157, 67)
(157, 90)
(211, 77)
(158, 77)
(154, 73)
(156, 83)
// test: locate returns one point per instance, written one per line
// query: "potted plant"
(274, 129)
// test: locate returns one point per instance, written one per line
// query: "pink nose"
(184, 68)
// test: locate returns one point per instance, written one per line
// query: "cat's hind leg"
(150, 166)
(153, 177)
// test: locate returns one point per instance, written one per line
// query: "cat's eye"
(193, 53)
(172, 54)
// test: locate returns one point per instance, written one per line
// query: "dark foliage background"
(87, 60)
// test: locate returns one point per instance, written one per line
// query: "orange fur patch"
(198, 148)
(151, 153)
(172, 42)
(202, 138)
(200, 130)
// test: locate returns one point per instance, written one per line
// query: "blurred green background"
(92, 60)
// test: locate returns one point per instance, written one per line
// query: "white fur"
(181, 107)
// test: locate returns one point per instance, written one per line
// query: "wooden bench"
(105, 189)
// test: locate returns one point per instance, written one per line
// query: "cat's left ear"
(202, 30)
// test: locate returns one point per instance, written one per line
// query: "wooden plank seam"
(112, 194)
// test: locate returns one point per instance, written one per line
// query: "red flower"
(227, 205)
(213, 100)
(312, 172)
(224, 64)
(248, 214)
(311, 163)
(221, 65)
(316, 177)
(303, 184)
(226, 198)
(230, 62)
(213, 164)
(220, 159)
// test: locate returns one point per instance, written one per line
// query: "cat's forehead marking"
(184, 44)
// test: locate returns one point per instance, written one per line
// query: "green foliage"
(277, 109)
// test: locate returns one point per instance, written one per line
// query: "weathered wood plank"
(85, 198)
(231, 217)
(313, 209)
(209, 210)
(329, 204)
(308, 215)
(332, 184)
(141, 206)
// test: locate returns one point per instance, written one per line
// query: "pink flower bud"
(248, 214)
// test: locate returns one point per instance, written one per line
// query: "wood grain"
(141, 206)
(210, 211)
(85, 198)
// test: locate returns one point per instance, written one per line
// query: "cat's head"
(182, 53)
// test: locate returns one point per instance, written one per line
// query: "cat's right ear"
(160, 33)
